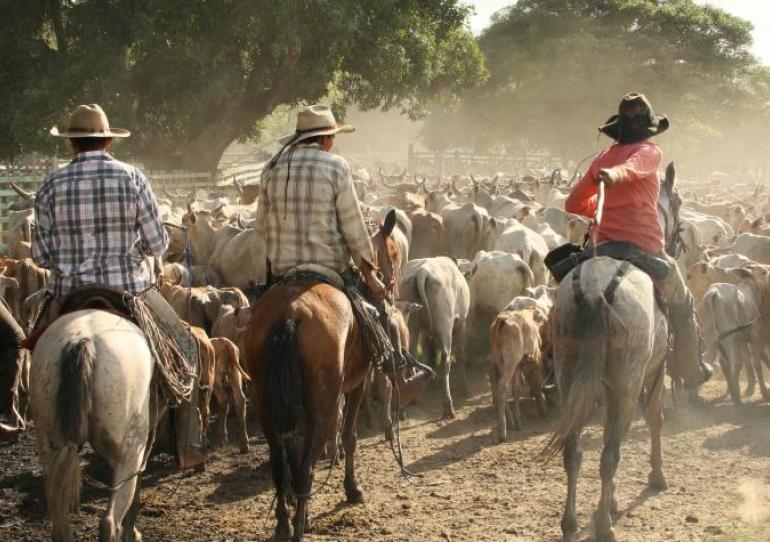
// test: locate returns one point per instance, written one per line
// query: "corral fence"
(457, 162)
(30, 178)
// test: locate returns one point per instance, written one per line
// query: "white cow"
(438, 285)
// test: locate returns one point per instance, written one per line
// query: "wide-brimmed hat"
(315, 120)
(634, 104)
(89, 121)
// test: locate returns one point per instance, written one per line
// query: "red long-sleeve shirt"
(630, 205)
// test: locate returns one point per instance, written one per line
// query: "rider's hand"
(375, 285)
(606, 176)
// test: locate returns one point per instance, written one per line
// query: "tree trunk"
(219, 126)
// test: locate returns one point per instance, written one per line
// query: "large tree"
(191, 76)
(559, 67)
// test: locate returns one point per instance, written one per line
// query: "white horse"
(612, 339)
(92, 380)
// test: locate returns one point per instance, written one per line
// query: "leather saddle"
(565, 258)
(89, 296)
(100, 297)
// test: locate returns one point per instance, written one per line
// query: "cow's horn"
(23, 193)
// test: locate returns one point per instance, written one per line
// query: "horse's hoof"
(606, 536)
(502, 438)
(244, 449)
(283, 531)
(449, 413)
(657, 480)
(389, 434)
(569, 528)
(355, 494)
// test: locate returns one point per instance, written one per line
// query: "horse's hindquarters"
(122, 371)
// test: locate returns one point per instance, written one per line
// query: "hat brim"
(611, 128)
(111, 133)
(296, 138)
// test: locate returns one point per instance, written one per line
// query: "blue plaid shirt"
(96, 220)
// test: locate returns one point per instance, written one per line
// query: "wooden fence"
(29, 179)
(464, 163)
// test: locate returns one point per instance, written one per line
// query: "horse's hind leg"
(619, 411)
(353, 490)
(278, 468)
(573, 457)
(653, 415)
(121, 500)
(130, 532)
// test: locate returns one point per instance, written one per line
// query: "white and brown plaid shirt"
(308, 212)
(96, 220)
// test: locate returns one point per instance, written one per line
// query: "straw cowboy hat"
(636, 106)
(315, 120)
(89, 121)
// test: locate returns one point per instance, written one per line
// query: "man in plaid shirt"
(308, 212)
(97, 221)
(96, 218)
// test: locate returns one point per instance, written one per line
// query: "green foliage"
(559, 67)
(191, 76)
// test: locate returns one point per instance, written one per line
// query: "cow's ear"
(670, 176)
(390, 223)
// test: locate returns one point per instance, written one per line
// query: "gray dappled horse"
(609, 334)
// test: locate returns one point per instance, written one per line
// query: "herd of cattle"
(476, 250)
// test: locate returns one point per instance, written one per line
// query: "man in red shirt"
(629, 169)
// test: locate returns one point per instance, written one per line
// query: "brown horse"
(303, 349)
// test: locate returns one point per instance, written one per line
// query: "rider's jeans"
(686, 355)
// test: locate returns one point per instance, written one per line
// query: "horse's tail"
(583, 378)
(73, 407)
(422, 282)
(283, 382)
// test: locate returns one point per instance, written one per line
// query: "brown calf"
(515, 344)
(229, 381)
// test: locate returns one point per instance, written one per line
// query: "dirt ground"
(716, 458)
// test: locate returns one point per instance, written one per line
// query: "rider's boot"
(687, 359)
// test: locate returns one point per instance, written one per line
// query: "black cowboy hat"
(636, 105)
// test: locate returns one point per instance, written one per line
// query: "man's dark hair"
(311, 140)
(85, 144)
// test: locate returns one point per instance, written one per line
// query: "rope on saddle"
(178, 374)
